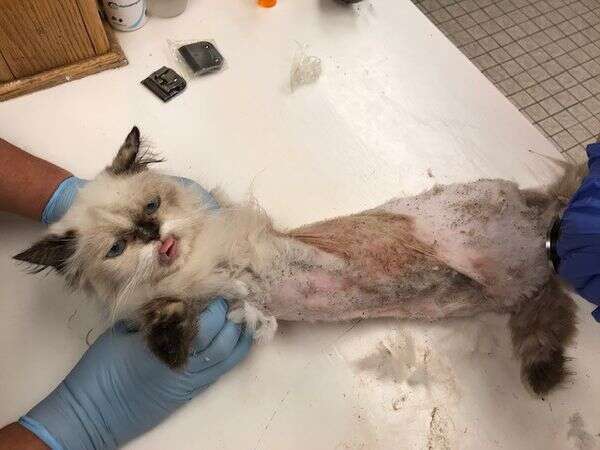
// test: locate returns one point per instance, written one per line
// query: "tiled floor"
(544, 55)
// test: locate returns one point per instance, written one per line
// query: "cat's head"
(128, 228)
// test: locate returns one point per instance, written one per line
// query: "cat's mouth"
(167, 251)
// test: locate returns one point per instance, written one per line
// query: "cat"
(155, 252)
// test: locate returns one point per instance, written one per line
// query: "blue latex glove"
(62, 199)
(119, 389)
(579, 243)
(64, 195)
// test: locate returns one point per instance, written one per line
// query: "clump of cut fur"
(453, 251)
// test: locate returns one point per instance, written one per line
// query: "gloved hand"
(62, 199)
(578, 245)
(120, 390)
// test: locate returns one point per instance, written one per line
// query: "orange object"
(267, 3)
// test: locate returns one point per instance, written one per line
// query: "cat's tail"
(541, 329)
(563, 189)
(552, 200)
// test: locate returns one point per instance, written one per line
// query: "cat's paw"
(266, 330)
(261, 325)
(237, 315)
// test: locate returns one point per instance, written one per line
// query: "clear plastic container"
(166, 8)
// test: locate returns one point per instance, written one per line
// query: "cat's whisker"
(142, 272)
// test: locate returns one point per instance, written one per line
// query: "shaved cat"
(153, 251)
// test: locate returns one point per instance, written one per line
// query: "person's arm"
(16, 437)
(26, 185)
(26, 182)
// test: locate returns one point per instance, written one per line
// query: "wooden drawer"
(44, 42)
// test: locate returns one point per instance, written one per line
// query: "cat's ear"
(125, 159)
(129, 159)
(52, 251)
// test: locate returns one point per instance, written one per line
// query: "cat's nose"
(147, 230)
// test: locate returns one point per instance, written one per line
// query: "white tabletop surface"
(395, 101)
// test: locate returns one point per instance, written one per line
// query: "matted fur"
(452, 251)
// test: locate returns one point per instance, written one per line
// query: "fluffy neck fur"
(237, 253)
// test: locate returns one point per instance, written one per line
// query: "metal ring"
(551, 239)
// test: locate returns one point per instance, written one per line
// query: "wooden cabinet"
(46, 42)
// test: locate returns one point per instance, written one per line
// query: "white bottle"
(125, 15)
(166, 8)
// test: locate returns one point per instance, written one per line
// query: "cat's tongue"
(167, 250)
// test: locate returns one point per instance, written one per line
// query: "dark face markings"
(146, 230)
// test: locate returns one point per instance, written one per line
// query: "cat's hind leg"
(541, 329)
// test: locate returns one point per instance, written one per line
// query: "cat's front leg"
(170, 328)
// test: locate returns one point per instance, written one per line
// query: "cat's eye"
(117, 248)
(152, 205)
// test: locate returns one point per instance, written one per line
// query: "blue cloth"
(579, 243)
(119, 389)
